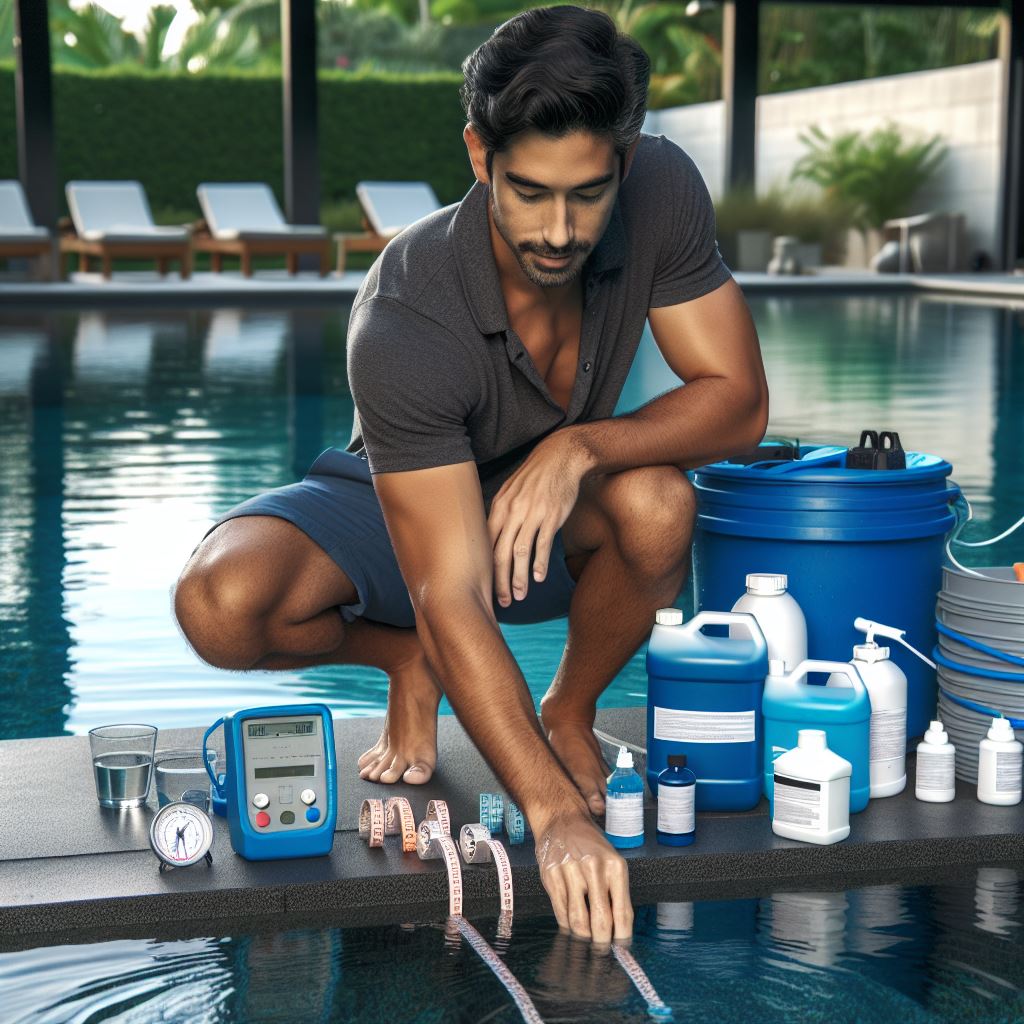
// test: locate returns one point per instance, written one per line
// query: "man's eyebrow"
(517, 179)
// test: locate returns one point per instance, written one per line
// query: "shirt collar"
(471, 241)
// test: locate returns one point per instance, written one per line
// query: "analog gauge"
(181, 834)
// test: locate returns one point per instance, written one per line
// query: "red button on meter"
(263, 819)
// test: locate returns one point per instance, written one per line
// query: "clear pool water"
(124, 433)
(917, 954)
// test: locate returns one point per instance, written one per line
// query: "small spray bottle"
(624, 804)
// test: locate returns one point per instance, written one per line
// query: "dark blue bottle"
(677, 786)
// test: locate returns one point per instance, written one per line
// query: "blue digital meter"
(280, 784)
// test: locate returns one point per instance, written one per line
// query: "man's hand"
(530, 509)
(580, 868)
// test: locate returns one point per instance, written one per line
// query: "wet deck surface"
(67, 865)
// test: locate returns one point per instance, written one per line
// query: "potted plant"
(874, 177)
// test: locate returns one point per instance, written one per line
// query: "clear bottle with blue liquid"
(677, 787)
(624, 804)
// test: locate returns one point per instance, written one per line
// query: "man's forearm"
(487, 691)
(701, 422)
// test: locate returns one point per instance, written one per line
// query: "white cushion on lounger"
(248, 210)
(15, 219)
(116, 211)
(391, 206)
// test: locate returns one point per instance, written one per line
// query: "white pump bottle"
(887, 689)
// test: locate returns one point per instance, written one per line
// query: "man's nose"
(558, 231)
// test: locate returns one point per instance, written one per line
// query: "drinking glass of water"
(122, 763)
(181, 771)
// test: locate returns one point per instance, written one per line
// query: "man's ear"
(477, 154)
(627, 160)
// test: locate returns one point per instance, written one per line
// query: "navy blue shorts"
(336, 506)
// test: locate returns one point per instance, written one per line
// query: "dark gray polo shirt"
(437, 372)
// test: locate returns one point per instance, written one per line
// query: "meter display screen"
(290, 771)
(263, 730)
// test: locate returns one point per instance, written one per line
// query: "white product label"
(888, 734)
(936, 771)
(675, 809)
(624, 814)
(1008, 770)
(797, 802)
(703, 726)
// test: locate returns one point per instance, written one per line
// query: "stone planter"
(753, 251)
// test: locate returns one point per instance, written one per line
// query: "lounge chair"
(388, 207)
(19, 236)
(244, 220)
(112, 221)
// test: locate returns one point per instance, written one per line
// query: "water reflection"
(125, 434)
(914, 953)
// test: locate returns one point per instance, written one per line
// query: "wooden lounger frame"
(246, 248)
(368, 241)
(163, 252)
(27, 249)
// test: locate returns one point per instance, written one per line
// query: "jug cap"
(776, 667)
(625, 759)
(870, 653)
(668, 617)
(767, 583)
(936, 734)
(1001, 730)
(811, 739)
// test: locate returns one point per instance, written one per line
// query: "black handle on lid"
(883, 452)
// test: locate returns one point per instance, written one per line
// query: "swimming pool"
(917, 953)
(124, 433)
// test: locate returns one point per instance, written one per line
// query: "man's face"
(551, 200)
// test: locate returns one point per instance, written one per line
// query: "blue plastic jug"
(791, 703)
(704, 701)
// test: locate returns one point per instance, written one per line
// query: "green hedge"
(172, 131)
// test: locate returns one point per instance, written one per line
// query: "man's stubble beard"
(541, 278)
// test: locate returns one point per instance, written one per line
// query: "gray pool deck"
(69, 867)
(277, 287)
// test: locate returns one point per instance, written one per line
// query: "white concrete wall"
(962, 104)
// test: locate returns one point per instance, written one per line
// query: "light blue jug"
(844, 713)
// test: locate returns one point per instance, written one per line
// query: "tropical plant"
(876, 176)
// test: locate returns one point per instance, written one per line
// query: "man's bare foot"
(407, 748)
(576, 746)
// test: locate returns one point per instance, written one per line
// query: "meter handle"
(206, 761)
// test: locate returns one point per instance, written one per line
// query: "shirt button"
(586, 366)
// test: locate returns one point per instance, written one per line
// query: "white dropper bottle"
(936, 767)
(1000, 759)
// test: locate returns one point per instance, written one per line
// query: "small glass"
(122, 763)
(178, 771)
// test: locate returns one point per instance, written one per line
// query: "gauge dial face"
(181, 834)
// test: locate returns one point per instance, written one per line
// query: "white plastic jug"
(780, 617)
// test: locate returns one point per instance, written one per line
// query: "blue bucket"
(853, 542)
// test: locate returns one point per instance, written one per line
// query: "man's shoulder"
(414, 266)
(658, 163)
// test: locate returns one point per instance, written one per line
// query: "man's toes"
(418, 773)
(393, 771)
(596, 804)
(367, 756)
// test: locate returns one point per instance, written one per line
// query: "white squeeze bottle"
(936, 767)
(779, 616)
(1000, 761)
(812, 792)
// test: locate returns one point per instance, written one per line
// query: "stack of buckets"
(853, 542)
(980, 623)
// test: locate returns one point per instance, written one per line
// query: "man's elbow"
(757, 418)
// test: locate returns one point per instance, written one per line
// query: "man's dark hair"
(556, 70)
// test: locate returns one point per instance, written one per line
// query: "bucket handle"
(702, 619)
(839, 668)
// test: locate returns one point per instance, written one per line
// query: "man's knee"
(219, 610)
(651, 510)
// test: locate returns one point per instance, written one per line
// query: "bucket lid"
(767, 583)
